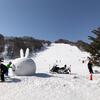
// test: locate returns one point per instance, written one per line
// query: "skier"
(8, 66)
(90, 66)
(3, 70)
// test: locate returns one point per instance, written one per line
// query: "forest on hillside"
(13, 45)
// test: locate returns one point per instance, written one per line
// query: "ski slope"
(46, 86)
(62, 54)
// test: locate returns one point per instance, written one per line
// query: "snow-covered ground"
(62, 54)
(46, 86)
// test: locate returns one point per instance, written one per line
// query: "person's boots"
(2, 78)
(90, 76)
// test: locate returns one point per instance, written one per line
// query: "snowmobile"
(62, 70)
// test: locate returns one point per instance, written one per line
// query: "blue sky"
(49, 19)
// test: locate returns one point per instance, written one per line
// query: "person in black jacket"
(90, 65)
(3, 70)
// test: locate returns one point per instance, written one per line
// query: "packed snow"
(62, 54)
(24, 65)
(46, 86)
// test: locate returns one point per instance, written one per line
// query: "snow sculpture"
(24, 66)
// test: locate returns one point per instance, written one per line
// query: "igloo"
(24, 66)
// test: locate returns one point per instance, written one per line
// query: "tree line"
(14, 44)
(93, 47)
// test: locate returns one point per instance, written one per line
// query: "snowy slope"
(62, 54)
(46, 86)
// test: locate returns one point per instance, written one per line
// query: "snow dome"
(24, 66)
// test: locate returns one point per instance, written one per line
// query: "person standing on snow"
(8, 66)
(90, 65)
(3, 70)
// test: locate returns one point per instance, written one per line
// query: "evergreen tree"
(94, 47)
(2, 43)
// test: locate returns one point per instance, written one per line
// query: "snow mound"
(24, 66)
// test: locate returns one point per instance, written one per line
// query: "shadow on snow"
(12, 80)
(42, 75)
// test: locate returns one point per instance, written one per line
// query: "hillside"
(62, 54)
(46, 86)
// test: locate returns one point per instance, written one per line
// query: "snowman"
(24, 66)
